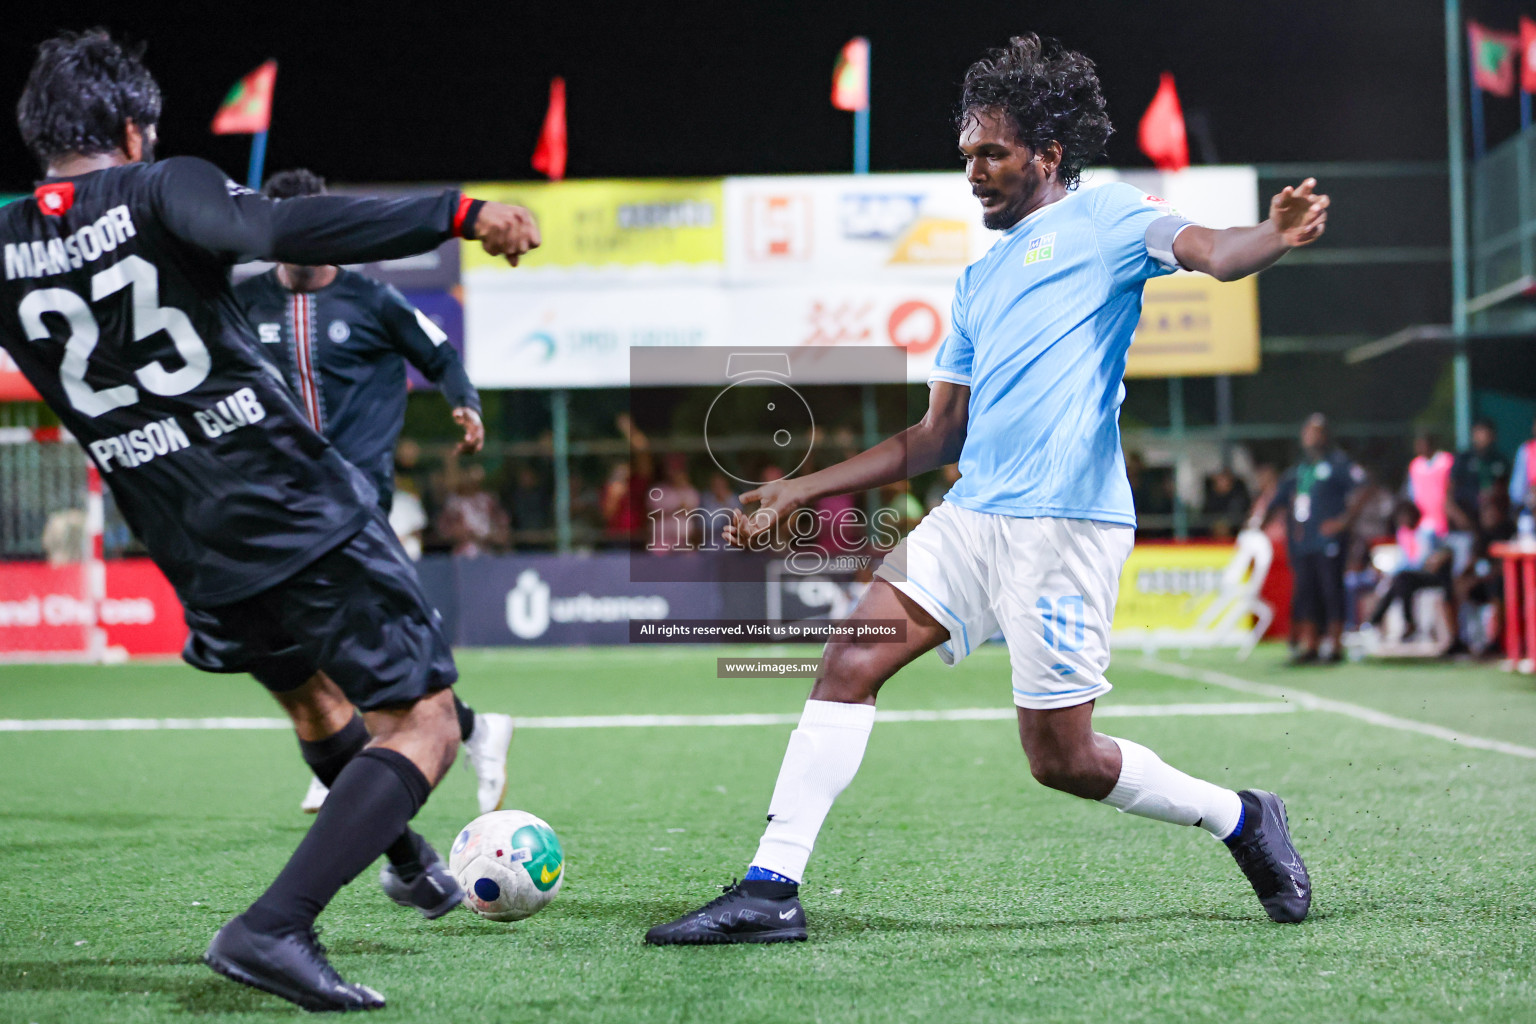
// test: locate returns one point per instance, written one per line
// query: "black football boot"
(1267, 856)
(432, 890)
(292, 966)
(744, 912)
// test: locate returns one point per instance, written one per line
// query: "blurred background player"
(1323, 495)
(1032, 539)
(1478, 474)
(342, 341)
(273, 541)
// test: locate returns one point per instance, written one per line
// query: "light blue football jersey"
(1040, 330)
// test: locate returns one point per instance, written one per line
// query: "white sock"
(1152, 789)
(823, 756)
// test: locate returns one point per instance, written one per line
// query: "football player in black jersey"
(115, 303)
(341, 340)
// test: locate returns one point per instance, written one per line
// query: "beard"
(1029, 185)
(1002, 220)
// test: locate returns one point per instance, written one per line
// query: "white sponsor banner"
(810, 260)
(913, 317)
(906, 227)
(851, 227)
(581, 337)
(1218, 197)
(573, 337)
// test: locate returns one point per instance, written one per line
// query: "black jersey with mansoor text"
(115, 303)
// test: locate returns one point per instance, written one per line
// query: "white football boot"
(314, 796)
(486, 755)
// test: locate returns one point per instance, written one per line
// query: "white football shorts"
(1049, 585)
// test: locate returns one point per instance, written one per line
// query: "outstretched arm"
(200, 206)
(933, 441)
(1296, 218)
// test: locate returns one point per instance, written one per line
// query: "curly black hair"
(297, 182)
(1047, 92)
(83, 90)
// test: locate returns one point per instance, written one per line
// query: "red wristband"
(461, 214)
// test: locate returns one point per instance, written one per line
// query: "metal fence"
(1503, 226)
(38, 482)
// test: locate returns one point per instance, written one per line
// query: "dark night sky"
(388, 91)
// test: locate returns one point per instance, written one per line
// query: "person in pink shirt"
(1429, 485)
(1522, 481)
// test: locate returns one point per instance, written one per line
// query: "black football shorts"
(1318, 594)
(357, 613)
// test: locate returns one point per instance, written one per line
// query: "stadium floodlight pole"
(258, 160)
(1461, 366)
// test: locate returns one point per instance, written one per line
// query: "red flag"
(850, 76)
(247, 110)
(549, 156)
(1527, 54)
(1493, 59)
(1162, 129)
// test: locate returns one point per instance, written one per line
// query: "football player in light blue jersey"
(1026, 394)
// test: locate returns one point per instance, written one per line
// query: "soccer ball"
(509, 864)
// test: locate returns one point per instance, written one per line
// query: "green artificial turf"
(947, 886)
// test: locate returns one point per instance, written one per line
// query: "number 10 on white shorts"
(1049, 585)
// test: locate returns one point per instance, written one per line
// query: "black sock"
(466, 719)
(327, 757)
(373, 799)
(405, 856)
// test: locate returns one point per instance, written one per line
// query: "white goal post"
(53, 579)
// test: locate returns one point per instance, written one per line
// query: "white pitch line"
(1112, 711)
(1312, 702)
(136, 724)
(645, 721)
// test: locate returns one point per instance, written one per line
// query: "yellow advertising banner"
(1167, 586)
(614, 223)
(1193, 325)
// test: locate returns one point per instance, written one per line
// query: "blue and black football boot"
(1267, 856)
(755, 911)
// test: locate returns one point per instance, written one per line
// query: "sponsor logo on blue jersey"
(1040, 249)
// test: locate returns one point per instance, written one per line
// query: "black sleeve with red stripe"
(198, 204)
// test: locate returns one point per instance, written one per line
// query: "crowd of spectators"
(648, 498)
(1329, 515)
(1359, 547)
